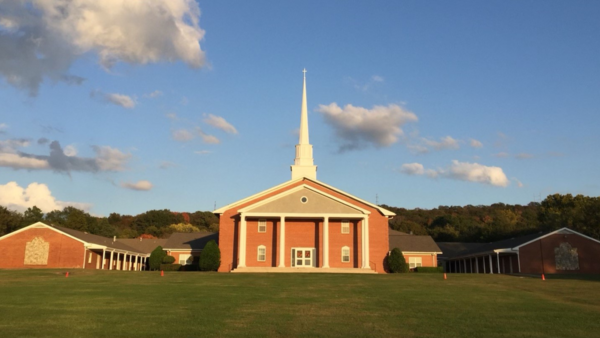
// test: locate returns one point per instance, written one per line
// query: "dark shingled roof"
(469, 249)
(100, 240)
(412, 243)
(451, 249)
(191, 240)
(144, 245)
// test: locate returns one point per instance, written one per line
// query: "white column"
(365, 243)
(498, 261)
(110, 265)
(139, 260)
(282, 242)
(491, 265)
(242, 246)
(103, 254)
(325, 242)
(477, 264)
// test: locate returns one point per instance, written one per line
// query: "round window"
(303, 199)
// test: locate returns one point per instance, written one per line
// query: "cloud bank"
(61, 160)
(358, 127)
(139, 185)
(41, 39)
(220, 123)
(463, 171)
(18, 198)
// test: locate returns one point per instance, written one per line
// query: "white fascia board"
(257, 195)
(298, 215)
(509, 250)
(298, 188)
(37, 225)
(385, 212)
(182, 250)
(420, 253)
(559, 231)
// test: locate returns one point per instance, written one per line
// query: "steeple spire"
(303, 163)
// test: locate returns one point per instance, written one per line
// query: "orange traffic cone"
(445, 276)
(162, 273)
(543, 278)
(67, 274)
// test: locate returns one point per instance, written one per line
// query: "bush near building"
(210, 258)
(156, 257)
(396, 262)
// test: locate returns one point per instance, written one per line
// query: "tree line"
(154, 223)
(445, 223)
(501, 221)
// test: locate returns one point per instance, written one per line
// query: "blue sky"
(181, 105)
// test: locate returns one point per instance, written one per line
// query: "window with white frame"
(414, 262)
(185, 259)
(345, 254)
(262, 225)
(262, 253)
(345, 227)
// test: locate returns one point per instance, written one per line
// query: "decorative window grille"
(414, 262)
(345, 254)
(262, 225)
(345, 227)
(262, 253)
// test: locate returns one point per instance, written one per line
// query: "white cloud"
(17, 161)
(463, 171)
(182, 135)
(18, 198)
(475, 143)
(501, 154)
(444, 143)
(121, 100)
(70, 150)
(139, 185)
(412, 169)
(519, 183)
(41, 39)
(110, 159)
(220, 123)
(167, 165)
(206, 138)
(3, 127)
(154, 94)
(357, 127)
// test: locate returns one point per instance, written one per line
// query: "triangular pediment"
(304, 200)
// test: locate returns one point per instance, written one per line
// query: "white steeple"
(303, 163)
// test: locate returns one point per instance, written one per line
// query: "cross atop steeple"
(303, 164)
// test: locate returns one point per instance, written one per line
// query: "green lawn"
(43, 303)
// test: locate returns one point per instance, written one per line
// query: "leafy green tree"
(9, 221)
(158, 218)
(205, 220)
(156, 258)
(210, 257)
(168, 260)
(396, 262)
(32, 215)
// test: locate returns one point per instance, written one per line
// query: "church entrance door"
(303, 257)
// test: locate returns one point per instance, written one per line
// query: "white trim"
(258, 254)
(282, 242)
(325, 242)
(299, 215)
(36, 225)
(559, 231)
(186, 258)
(221, 210)
(182, 250)
(247, 209)
(416, 262)
(420, 253)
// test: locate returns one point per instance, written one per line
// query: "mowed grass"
(43, 303)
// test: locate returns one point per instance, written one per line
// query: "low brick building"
(417, 250)
(563, 251)
(43, 246)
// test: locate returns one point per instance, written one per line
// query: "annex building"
(305, 225)
(563, 251)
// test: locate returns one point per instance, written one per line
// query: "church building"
(303, 225)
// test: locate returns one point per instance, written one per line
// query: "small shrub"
(210, 257)
(168, 260)
(170, 267)
(156, 257)
(396, 262)
(429, 269)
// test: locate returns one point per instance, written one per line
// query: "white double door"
(303, 257)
